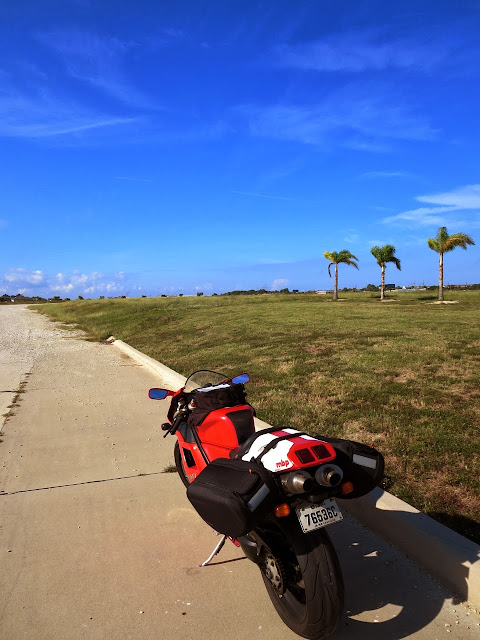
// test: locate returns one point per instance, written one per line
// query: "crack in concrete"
(78, 484)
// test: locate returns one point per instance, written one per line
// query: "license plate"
(319, 515)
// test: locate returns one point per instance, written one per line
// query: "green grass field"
(403, 374)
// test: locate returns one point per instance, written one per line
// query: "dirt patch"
(402, 378)
(315, 349)
(355, 430)
(285, 367)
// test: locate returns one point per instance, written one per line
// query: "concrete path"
(97, 541)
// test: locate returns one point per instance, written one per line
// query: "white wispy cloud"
(449, 206)
(374, 49)
(423, 216)
(383, 174)
(90, 69)
(467, 197)
(262, 195)
(42, 115)
(99, 61)
(349, 117)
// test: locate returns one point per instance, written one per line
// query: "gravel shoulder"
(25, 337)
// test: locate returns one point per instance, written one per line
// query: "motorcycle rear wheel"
(179, 464)
(306, 568)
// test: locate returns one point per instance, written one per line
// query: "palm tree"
(443, 243)
(383, 255)
(336, 258)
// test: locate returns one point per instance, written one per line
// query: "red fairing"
(198, 460)
(219, 433)
(225, 429)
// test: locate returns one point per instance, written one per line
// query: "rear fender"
(277, 534)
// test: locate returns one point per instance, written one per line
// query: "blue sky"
(157, 147)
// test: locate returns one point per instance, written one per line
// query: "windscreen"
(201, 379)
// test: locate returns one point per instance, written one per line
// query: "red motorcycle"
(271, 492)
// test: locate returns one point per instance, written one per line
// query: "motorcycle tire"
(310, 598)
(179, 464)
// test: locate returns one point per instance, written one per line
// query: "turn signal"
(346, 488)
(282, 510)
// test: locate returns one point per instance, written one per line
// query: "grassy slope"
(402, 374)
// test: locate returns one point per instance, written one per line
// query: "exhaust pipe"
(297, 482)
(329, 475)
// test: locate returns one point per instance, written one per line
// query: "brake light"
(321, 451)
(305, 456)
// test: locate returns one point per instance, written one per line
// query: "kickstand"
(217, 549)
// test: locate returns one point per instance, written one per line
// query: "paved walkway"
(97, 541)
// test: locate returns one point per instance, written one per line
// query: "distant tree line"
(19, 298)
(257, 292)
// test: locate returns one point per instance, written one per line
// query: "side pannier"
(233, 496)
(362, 465)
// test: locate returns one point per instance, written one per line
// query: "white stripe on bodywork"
(262, 441)
(295, 432)
(277, 458)
(258, 446)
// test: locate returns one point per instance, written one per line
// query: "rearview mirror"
(158, 394)
(242, 378)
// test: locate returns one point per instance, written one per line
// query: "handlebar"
(176, 423)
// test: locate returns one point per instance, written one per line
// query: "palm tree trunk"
(335, 291)
(440, 276)
(382, 288)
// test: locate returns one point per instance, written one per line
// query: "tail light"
(321, 451)
(305, 456)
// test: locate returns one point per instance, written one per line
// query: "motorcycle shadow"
(386, 595)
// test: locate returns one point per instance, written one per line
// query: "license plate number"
(317, 516)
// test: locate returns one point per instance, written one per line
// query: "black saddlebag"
(232, 496)
(362, 465)
(207, 401)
